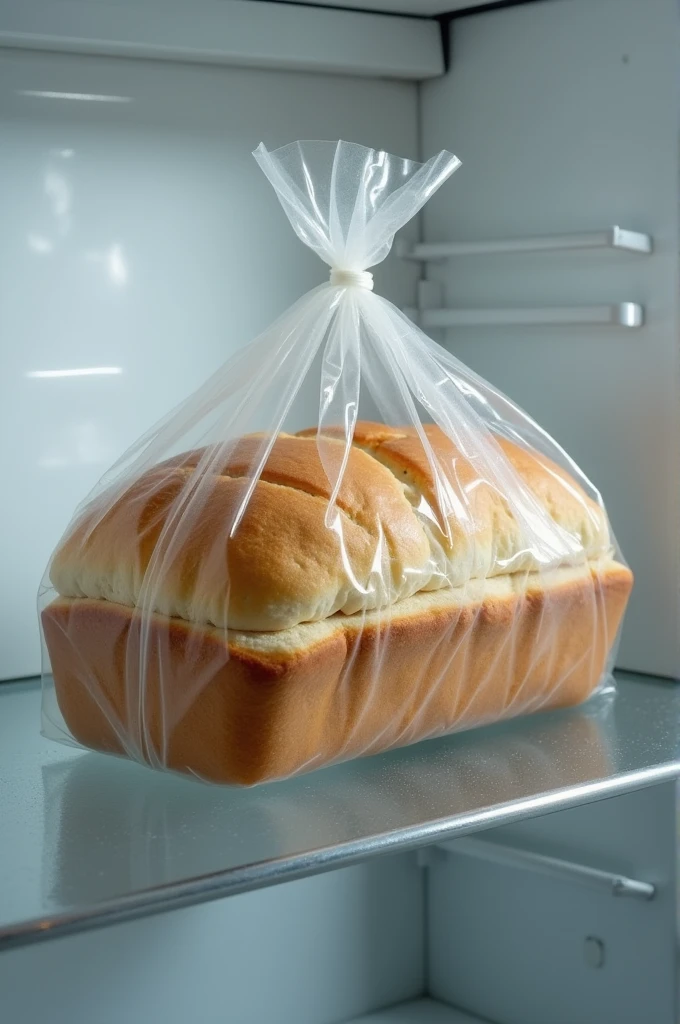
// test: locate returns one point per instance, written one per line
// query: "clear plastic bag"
(343, 542)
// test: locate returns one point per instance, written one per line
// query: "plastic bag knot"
(352, 278)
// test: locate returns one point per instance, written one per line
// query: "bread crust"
(196, 538)
(204, 538)
(473, 522)
(245, 708)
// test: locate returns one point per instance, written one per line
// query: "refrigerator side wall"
(565, 115)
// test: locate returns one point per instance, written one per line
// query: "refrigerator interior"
(451, 933)
(140, 247)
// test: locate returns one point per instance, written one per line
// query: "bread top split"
(202, 537)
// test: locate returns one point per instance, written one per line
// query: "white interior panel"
(141, 241)
(564, 115)
(244, 33)
(315, 951)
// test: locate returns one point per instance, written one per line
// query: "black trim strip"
(495, 5)
(360, 10)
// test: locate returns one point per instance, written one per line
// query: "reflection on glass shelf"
(89, 840)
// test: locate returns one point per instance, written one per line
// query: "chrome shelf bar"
(612, 238)
(552, 867)
(621, 314)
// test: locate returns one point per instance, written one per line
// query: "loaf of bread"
(243, 628)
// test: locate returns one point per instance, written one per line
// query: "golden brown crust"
(195, 538)
(234, 713)
(180, 542)
(466, 513)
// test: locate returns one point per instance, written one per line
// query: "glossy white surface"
(140, 246)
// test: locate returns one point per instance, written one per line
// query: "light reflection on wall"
(82, 371)
(78, 97)
(79, 444)
(114, 262)
(58, 191)
(40, 244)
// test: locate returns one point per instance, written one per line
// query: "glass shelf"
(88, 840)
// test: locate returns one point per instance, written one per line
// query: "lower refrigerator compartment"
(522, 924)
(570, 917)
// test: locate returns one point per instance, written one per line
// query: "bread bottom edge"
(188, 699)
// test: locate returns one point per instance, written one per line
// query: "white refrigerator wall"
(316, 951)
(565, 117)
(140, 241)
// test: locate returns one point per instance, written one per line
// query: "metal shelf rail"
(612, 238)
